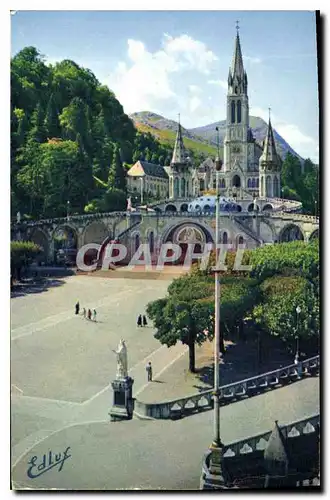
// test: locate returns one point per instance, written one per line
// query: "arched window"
(240, 240)
(214, 183)
(183, 188)
(239, 112)
(276, 187)
(249, 183)
(223, 183)
(232, 112)
(201, 185)
(257, 182)
(225, 238)
(176, 188)
(253, 183)
(268, 186)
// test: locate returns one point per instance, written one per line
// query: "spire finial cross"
(269, 109)
(237, 27)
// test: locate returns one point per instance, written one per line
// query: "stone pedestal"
(122, 407)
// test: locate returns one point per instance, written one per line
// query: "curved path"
(61, 368)
(159, 454)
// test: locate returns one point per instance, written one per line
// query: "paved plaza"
(61, 369)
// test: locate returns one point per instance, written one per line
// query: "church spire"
(269, 154)
(237, 78)
(179, 153)
(237, 67)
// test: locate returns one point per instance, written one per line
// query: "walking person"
(145, 322)
(149, 371)
(139, 320)
(77, 307)
(89, 314)
(94, 315)
(84, 312)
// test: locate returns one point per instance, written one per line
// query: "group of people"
(142, 320)
(86, 314)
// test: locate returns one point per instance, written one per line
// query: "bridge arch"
(267, 208)
(170, 208)
(315, 235)
(184, 207)
(65, 235)
(95, 232)
(291, 232)
(65, 241)
(186, 233)
(250, 207)
(41, 238)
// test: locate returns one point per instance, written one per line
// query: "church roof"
(179, 153)
(141, 168)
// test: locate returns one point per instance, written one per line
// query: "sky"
(172, 62)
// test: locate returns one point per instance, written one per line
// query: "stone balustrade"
(258, 443)
(229, 393)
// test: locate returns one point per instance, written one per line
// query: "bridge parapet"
(229, 393)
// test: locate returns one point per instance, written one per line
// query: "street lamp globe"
(298, 310)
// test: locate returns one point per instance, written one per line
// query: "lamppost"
(298, 311)
(315, 204)
(141, 180)
(67, 210)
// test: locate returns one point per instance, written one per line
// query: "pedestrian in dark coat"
(139, 320)
(145, 322)
(149, 371)
(89, 314)
(77, 307)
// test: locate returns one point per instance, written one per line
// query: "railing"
(259, 442)
(229, 393)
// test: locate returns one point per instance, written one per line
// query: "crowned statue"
(121, 353)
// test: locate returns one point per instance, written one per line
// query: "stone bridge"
(251, 229)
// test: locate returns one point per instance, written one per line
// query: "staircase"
(117, 239)
(248, 230)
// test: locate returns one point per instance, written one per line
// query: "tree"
(117, 173)
(21, 255)
(277, 312)
(161, 160)
(154, 158)
(187, 313)
(183, 315)
(51, 119)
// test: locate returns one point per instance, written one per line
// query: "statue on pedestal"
(121, 360)
(18, 217)
(255, 206)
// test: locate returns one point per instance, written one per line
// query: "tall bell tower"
(237, 122)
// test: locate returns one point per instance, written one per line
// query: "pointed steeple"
(237, 67)
(179, 153)
(237, 78)
(269, 154)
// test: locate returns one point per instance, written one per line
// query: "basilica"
(248, 170)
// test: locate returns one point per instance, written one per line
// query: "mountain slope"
(202, 139)
(165, 131)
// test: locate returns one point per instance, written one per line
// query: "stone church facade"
(248, 170)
